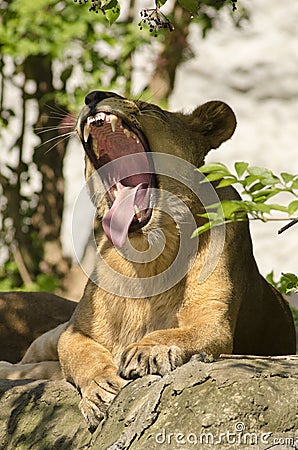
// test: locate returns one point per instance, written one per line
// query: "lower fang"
(86, 132)
(138, 212)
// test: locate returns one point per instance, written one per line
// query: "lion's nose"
(95, 97)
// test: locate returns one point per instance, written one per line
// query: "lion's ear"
(215, 120)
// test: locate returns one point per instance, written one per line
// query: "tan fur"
(112, 338)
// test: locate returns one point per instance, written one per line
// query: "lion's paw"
(139, 360)
(97, 397)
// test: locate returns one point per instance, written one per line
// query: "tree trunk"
(48, 157)
(162, 81)
(34, 220)
(230, 403)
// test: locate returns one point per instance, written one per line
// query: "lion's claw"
(139, 360)
(97, 397)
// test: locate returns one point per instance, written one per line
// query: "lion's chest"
(137, 317)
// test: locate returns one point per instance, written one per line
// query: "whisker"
(60, 118)
(157, 111)
(43, 130)
(58, 112)
(150, 95)
(154, 114)
(56, 108)
(63, 137)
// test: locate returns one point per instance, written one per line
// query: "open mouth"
(128, 181)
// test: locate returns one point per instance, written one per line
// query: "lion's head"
(120, 138)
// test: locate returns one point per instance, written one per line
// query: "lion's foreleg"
(91, 368)
(162, 351)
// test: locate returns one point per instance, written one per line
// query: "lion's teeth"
(100, 116)
(86, 131)
(136, 138)
(113, 121)
(138, 212)
(119, 187)
(126, 132)
(90, 119)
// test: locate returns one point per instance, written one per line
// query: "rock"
(235, 402)
(41, 415)
(26, 315)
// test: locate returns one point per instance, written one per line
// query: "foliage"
(52, 52)
(10, 280)
(202, 11)
(259, 185)
(84, 48)
(287, 284)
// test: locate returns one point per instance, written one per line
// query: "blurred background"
(54, 52)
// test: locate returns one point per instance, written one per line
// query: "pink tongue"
(117, 221)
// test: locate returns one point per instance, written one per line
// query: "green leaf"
(226, 182)
(264, 194)
(276, 207)
(112, 11)
(191, 5)
(287, 177)
(230, 207)
(286, 283)
(201, 229)
(293, 207)
(259, 207)
(249, 180)
(215, 167)
(255, 187)
(258, 171)
(207, 226)
(213, 177)
(270, 278)
(265, 176)
(295, 184)
(291, 277)
(160, 3)
(240, 168)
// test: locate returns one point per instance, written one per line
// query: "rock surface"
(234, 402)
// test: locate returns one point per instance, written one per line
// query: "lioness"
(142, 312)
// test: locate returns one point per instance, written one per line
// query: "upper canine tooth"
(113, 121)
(86, 131)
